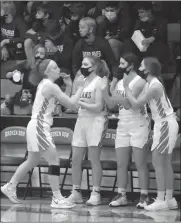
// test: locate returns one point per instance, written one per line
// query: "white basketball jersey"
(88, 95)
(129, 113)
(161, 107)
(43, 108)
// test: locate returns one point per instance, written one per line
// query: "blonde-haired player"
(164, 134)
(39, 140)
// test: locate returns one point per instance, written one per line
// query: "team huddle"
(136, 87)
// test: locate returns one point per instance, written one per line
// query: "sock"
(161, 195)
(13, 183)
(169, 194)
(77, 188)
(96, 189)
(122, 191)
(144, 192)
(57, 194)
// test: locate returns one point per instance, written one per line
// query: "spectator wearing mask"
(29, 78)
(114, 27)
(38, 30)
(90, 44)
(12, 32)
(154, 32)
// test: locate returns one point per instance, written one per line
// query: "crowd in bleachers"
(67, 31)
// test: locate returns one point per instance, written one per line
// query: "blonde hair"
(102, 69)
(91, 23)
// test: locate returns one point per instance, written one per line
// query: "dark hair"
(45, 9)
(112, 4)
(144, 5)
(131, 58)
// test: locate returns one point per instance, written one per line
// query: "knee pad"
(54, 170)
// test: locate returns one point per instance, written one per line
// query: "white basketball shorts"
(89, 131)
(132, 133)
(165, 134)
(38, 136)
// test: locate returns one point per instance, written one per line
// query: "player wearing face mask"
(90, 129)
(132, 130)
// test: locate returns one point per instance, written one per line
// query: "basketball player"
(164, 134)
(39, 140)
(132, 130)
(89, 129)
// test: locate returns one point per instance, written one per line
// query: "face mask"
(142, 74)
(85, 71)
(110, 15)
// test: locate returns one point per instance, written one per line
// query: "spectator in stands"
(90, 128)
(59, 46)
(33, 36)
(29, 78)
(78, 11)
(114, 27)
(12, 32)
(132, 131)
(155, 31)
(91, 44)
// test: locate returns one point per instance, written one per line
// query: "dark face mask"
(142, 74)
(121, 72)
(85, 71)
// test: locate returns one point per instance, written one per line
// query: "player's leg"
(78, 151)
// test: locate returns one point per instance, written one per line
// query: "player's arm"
(97, 106)
(154, 92)
(50, 90)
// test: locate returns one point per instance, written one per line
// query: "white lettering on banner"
(93, 53)
(7, 33)
(14, 133)
(63, 134)
(110, 136)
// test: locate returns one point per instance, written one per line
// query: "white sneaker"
(9, 192)
(119, 200)
(75, 197)
(95, 199)
(172, 204)
(157, 205)
(61, 203)
(143, 202)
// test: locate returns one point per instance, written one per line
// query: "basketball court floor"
(39, 210)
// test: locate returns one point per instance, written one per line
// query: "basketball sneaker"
(157, 205)
(95, 199)
(61, 203)
(172, 204)
(119, 200)
(75, 197)
(144, 199)
(10, 192)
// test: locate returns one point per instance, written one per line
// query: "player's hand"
(66, 79)
(104, 84)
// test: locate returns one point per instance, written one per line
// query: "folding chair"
(63, 138)
(13, 150)
(107, 163)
